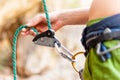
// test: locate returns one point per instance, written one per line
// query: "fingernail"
(23, 29)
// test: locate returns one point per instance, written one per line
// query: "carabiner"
(73, 58)
(64, 52)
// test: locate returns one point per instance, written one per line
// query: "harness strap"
(112, 22)
(95, 33)
(92, 42)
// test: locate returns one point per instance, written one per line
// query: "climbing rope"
(46, 13)
(14, 43)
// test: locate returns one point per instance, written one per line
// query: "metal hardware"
(101, 48)
(64, 52)
(46, 39)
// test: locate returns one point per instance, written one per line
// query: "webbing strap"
(108, 36)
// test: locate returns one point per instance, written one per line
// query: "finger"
(36, 20)
(41, 28)
(57, 25)
(24, 31)
(31, 32)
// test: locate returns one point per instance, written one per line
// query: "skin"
(104, 8)
(98, 9)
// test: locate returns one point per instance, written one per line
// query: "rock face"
(13, 13)
(34, 62)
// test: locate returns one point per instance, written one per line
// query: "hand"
(40, 23)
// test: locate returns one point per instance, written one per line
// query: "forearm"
(74, 17)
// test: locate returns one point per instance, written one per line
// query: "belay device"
(46, 38)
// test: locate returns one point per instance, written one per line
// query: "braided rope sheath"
(47, 15)
(14, 45)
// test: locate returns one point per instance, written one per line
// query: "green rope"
(47, 15)
(14, 44)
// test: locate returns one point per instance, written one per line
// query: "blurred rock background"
(37, 62)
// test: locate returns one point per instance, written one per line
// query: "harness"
(46, 38)
(105, 30)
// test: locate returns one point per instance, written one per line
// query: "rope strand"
(46, 13)
(14, 45)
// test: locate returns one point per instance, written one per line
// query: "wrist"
(74, 17)
(63, 17)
